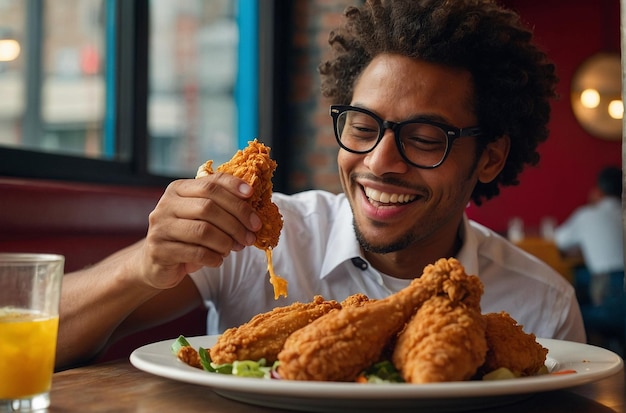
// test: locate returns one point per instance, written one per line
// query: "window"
(55, 84)
(119, 91)
(199, 52)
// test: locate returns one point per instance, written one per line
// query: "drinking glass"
(30, 290)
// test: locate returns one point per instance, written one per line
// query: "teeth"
(387, 198)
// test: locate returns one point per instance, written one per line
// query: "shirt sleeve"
(572, 327)
(567, 234)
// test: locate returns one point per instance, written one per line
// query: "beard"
(397, 245)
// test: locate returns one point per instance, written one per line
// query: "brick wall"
(313, 162)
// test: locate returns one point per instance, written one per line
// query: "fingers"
(221, 201)
(200, 221)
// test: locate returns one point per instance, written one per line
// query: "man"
(595, 231)
(437, 103)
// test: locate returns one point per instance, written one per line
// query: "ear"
(493, 159)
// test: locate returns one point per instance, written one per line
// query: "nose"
(386, 158)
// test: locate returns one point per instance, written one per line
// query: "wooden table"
(119, 387)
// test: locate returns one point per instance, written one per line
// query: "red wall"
(569, 31)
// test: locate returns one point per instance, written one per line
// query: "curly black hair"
(513, 79)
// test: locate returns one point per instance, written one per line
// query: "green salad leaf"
(180, 342)
(383, 372)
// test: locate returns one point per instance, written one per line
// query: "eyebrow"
(433, 117)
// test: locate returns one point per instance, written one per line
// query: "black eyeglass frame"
(452, 133)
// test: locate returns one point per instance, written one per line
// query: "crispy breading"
(356, 300)
(444, 341)
(189, 355)
(510, 347)
(254, 165)
(264, 335)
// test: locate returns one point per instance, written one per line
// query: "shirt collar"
(342, 243)
(468, 254)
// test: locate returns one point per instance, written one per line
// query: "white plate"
(591, 363)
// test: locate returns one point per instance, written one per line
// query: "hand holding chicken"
(254, 165)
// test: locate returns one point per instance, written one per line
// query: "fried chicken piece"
(444, 341)
(509, 346)
(338, 346)
(190, 356)
(356, 300)
(264, 335)
(254, 165)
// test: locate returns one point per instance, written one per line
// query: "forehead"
(402, 87)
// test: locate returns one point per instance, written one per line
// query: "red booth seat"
(85, 223)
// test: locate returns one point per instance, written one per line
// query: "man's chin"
(374, 244)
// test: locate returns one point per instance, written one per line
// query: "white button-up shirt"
(597, 230)
(318, 254)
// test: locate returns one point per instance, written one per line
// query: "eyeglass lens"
(421, 143)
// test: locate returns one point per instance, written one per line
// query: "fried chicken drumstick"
(254, 165)
(338, 346)
(510, 347)
(264, 335)
(445, 341)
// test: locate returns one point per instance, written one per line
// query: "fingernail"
(250, 238)
(245, 189)
(237, 247)
(255, 221)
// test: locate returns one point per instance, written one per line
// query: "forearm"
(147, 283)
(94, 302)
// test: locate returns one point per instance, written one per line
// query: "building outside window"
(60, 84)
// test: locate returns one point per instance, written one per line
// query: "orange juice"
(27, 348)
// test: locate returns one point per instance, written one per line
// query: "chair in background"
(547, 251)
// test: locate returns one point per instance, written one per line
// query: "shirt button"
(359, 263)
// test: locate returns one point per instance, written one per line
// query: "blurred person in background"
(595, 231)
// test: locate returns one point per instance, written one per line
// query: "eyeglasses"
(422, 143)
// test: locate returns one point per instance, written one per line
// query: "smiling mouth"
(388, 198)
